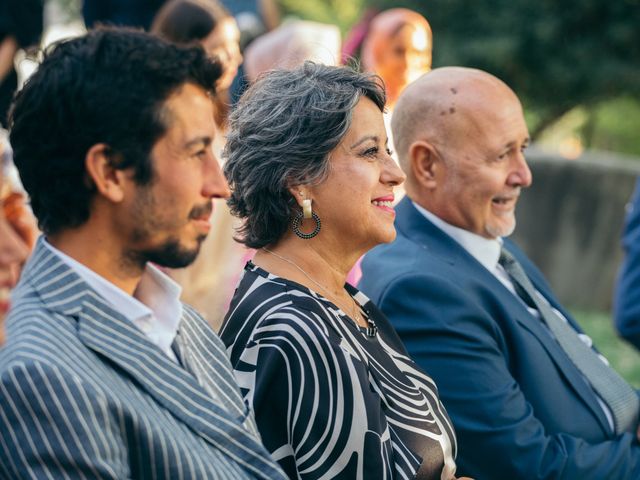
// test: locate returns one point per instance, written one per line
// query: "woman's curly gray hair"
(281, 134)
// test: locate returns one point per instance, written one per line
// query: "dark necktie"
(621, 399)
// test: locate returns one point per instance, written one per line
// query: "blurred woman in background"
(398, 47)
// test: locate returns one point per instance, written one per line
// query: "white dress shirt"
(154, 308)
(487, 252)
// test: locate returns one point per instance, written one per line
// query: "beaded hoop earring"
(297, 221)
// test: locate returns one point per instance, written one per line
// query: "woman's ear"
(108, 180)
(299, 193)
(425, 163)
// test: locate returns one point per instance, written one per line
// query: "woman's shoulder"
(259, 290)
(265, 302)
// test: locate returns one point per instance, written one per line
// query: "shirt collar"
(484, 250)
(154, 308)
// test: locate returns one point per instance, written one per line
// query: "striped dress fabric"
(85, 395)
(331, 402)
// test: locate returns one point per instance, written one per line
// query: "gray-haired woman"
(334, 392)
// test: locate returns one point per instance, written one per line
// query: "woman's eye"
(371, 152)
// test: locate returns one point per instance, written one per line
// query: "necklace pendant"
(372, 330)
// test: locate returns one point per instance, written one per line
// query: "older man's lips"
(505, 203)
(384, 203)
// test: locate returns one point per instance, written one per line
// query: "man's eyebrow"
(206, 140)
(512, 144)
(364, 139)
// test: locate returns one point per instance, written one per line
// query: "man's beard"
(501, 231)
(170, 254)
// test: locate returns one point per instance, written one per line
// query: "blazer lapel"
(112, 336)
(416, 227)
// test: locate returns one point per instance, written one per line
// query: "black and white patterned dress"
(331, 402)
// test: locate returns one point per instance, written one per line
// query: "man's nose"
(215, 184)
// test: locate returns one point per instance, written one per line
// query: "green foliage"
(611, 125)
(337, 12)
(616, 126)
(623, 357)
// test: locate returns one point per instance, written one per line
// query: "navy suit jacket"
(626, 306)
(85, 394)
(520, 407)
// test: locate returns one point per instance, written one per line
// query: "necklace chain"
(371, 326)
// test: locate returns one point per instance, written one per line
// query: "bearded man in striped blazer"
(105, 374)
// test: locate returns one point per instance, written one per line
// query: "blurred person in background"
(254, 17)
(16, 235)
(334, 391)
(398, 47)
(21, 24)
(290, 45)
(208, 283)
(287, 46)
(626, 305)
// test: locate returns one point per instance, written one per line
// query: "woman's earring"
(297, 222)
(306, 208)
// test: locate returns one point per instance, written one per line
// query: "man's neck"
(100, 253)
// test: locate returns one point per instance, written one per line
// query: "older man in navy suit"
(528, 395)
(105, 373)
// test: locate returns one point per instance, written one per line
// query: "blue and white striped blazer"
(84, 394)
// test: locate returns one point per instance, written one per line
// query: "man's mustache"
(201, 211)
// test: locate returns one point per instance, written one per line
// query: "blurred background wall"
(570, 221)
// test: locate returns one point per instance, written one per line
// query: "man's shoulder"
(406, 259)
(37, 334)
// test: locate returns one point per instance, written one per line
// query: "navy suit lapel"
(113, 337)
(419, 229)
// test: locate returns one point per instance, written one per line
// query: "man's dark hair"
(109, 86)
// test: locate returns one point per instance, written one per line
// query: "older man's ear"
(424, 164)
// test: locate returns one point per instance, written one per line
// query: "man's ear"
(108, 180)
(425, 163)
